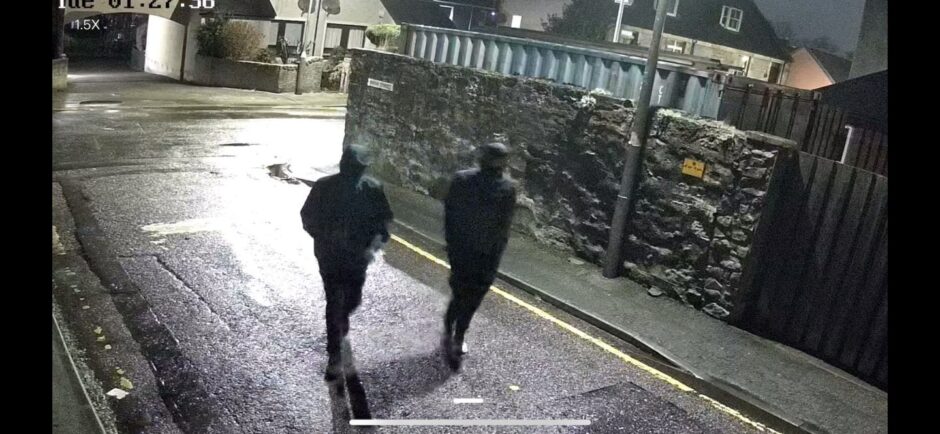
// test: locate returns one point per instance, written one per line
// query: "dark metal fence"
(820, 129)
(818, 276)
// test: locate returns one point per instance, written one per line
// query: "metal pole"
(58, 30)
(302, 62)
(316, 30)
(619, 21)
(634, 151)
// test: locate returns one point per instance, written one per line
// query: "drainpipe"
(613, 260)
(849, 149)
(619, 21)
(185, 43)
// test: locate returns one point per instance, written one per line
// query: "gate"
(818, 276)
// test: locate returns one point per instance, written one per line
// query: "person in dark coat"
(477, 218)
(347, 214)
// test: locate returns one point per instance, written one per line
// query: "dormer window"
(731, 18)
(669, 11)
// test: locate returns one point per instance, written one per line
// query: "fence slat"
(871, 353)
(808, 227)
(806, 317)
(783, 283)
(847, 242)
(865, 248)
(870, 297)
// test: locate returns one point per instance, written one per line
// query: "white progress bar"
(468, 400)
(468, 422)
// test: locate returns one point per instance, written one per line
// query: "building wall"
(60, 73)
(192, 45)
(533, 12)
(759, 67)
(289, 10)
(359, 13)
(871, 54)
(805, 72)
(164, 47)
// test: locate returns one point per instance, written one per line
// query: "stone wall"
(689, 236)
(268, 77)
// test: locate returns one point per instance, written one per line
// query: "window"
(516, 21)
(731, 18)
(675, 45)
(671, 12)
(338, 35)
(450, 11)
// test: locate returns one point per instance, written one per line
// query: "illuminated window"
(516, 21)
(731, 18)
(450, 11)
(675, 45)
(671, 12)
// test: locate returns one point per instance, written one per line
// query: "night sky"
(840, 20)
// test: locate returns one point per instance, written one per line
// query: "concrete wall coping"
(770, 139)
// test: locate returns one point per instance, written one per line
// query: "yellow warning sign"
(693, 168)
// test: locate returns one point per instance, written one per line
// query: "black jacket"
(478, 212)
(347, 216)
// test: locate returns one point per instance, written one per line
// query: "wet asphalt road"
(214, 246)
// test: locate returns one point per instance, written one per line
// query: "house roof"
(837, 68)
(700, 20)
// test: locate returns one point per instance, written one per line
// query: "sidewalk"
(781, 381)
(71, 410)
(114, 87)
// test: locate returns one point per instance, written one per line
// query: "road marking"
(598, 342)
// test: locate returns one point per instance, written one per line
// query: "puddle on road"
(182, 227)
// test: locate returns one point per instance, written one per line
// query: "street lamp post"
(634, 151)
(302, 62)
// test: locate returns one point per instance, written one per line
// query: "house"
(171, 42)
(811, 68)
(347, 28)
(732, 32)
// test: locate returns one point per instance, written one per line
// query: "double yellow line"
(598, 342)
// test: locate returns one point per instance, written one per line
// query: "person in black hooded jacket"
(478, 213)
(347, 214)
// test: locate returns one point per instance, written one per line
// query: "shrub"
(384, 36)
(210, 38)
(229, 40)
(240, 41)
(265, 56)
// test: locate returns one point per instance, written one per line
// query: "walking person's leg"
(469, 304)
(335, 325)
(478, 282)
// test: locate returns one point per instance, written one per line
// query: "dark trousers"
(343, 287)
(472, 274)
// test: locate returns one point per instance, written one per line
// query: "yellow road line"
(598, 342)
